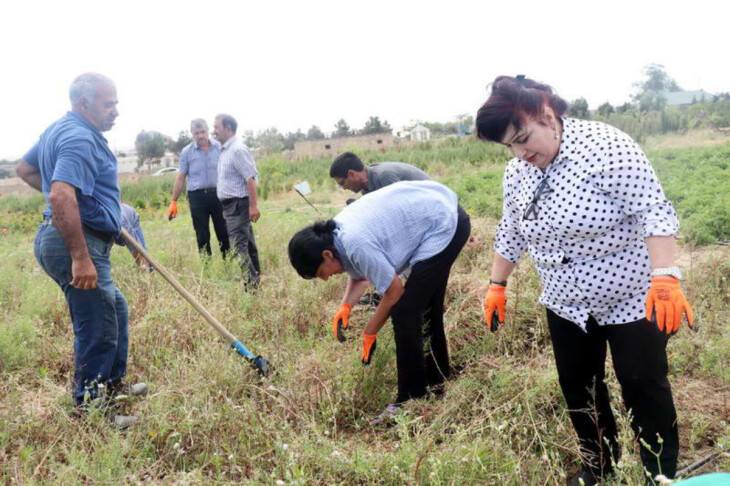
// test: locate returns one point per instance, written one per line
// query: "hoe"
(258, 362)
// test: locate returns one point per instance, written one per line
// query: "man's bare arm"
(178, 187)
(31, 175)
(67, 220)
(253, 207)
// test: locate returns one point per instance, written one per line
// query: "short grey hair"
(228, 121)
(84, 86)
(198, 123)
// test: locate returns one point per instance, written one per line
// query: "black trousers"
(419, 314)
(639, 357)
(240, 232)
(204, 206)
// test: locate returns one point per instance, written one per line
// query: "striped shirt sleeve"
(244, 163)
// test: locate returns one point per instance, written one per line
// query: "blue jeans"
(99, 315)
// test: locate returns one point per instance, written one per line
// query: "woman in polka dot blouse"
(583, 200)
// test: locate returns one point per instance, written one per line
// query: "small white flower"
(176, 446)
(230, 457)
(326, 432)
(336, 453)
(284, 446)
(545, 458)
(280, 482)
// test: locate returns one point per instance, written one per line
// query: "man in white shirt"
(236, 190)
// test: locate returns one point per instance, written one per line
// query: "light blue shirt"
(236, 166)
(130, 223)
(201, 168)
(389, 230)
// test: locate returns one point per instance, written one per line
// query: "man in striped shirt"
(236, 190)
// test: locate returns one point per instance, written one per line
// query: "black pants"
(639, 357)
(419, 314)
(204, 206)
(240, 232)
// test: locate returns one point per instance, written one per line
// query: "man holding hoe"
(77, 172)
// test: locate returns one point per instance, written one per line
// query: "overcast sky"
(295, 64)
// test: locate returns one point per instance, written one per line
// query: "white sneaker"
(124, 421)
(138, 389)
(120, 392)
(388, 415)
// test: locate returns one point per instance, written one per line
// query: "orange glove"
(369, 343)
(665, 303)
(172, 211)
(341, 321)
(494, 304)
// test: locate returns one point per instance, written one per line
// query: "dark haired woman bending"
(583, 200)
(417, 225)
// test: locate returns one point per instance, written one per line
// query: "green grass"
(209, 420)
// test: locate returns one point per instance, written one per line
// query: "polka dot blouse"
(583, 222)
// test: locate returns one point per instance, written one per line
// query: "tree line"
(646, 113)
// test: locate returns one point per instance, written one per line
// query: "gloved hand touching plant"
(369, 343)
(341, 321)
(494, 306)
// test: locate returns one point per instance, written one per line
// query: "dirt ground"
(14, 185)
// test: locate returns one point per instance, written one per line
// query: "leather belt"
(104, 236)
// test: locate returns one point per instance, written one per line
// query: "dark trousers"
(419, 314)
(639, 357)
(240, 232)
(204, 206)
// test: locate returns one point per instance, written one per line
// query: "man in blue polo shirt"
(77, 172)
(199, 165)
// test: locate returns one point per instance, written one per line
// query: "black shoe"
(370, 299)
(584, 477)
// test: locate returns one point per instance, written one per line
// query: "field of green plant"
(209, 419)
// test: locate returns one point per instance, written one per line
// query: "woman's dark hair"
(306, 247)
(511, 101)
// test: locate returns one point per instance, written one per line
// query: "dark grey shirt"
(386, 173)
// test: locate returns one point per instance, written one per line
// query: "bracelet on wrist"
(503, 283)
(667, 271)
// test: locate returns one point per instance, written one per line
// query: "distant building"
(332, 147)
(419, 133)
(686, 98)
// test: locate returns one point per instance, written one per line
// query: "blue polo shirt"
(130, 222)
(72, 150)
(200, 168)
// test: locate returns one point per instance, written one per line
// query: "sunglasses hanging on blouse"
(533, 210)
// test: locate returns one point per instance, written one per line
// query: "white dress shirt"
(586, 235)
